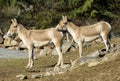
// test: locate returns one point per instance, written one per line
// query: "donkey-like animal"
(33, 38)
(86, 33)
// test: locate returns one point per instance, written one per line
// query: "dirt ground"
(108, 71)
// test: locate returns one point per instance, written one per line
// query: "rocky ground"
(103, 69)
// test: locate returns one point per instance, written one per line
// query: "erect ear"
(15, 20)
(12, 20)
(63, 17)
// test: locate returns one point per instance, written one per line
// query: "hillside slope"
(107, 71)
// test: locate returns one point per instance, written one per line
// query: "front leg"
(80, 49)
(30, 57)
(60, 56)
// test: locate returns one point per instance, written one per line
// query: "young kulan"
(34, 38)
(86, 33)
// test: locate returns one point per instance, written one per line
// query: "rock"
(91, 60)
(1, 36)
(61, 69)
(10, 42)
(11, 48)
(1, 39)
(47, 74)
(21, 45)
(21, 76)
(43, 74)
(1, 32)
(56, 69)
(37, 76)
(65, 48)
(42, 52)
(94, 63)
(65, 67)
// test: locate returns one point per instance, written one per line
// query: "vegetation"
(43, 14)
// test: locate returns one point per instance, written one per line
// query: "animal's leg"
(30, 57)
(104, 37)
(60, 58)
(80, 48)
(67, 36)
(58, 45)
(106, 44)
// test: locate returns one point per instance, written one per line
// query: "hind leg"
(30, 57)
(59, 51)
(106, 42)
(109, 43)
(60, 56)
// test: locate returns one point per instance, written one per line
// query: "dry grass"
(109, 71)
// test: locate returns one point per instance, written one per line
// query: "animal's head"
(62, 24)
(13, 27)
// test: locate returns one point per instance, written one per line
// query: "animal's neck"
(72, 29)
(22, 31)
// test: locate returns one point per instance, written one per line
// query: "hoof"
(57, 65)
(28, 67)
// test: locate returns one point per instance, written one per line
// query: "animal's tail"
(110, 35)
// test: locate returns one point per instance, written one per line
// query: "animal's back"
(96, 29)
(45, 35)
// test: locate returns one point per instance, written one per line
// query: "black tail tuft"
(110, 35)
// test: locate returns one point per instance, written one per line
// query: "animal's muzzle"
(57, 28)
(8, 34)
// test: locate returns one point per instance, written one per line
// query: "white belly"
(39, 44)
(92, 38)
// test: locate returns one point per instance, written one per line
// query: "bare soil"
(108, 71)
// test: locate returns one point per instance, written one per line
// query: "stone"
(21, 76)
(1, 39)
(48, 73)
(21, 45)
(11, 48)
(61, 69)
(65, 67)
(94, 63)
(65, 48)
(37, 76)
(56, 69)
(9, 42)
(1, 32)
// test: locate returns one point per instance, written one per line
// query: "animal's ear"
(12, 20)
(63, 17)
(15, 20)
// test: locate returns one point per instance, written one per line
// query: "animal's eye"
(65, 22)
(15, 26)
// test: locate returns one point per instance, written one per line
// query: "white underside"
(38, 44)
(89, 39)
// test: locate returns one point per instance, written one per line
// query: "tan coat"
(34, 38)
(86, 33)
